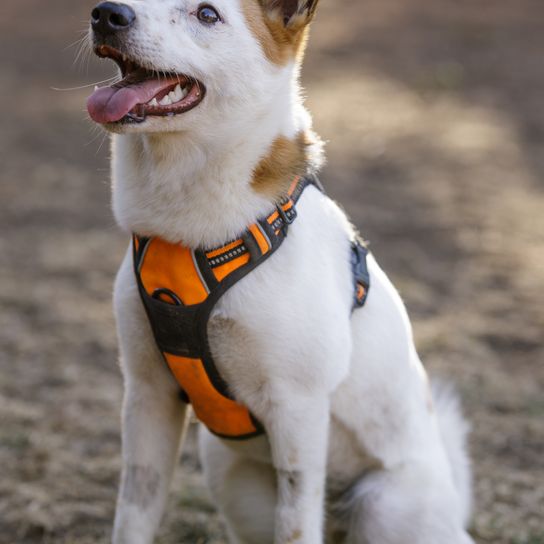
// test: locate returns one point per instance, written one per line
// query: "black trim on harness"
(251, 245)
(205, 269)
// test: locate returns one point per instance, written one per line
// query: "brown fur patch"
(280, 43)
(297, 535)
(285, 160)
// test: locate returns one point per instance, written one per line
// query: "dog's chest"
(238, 354)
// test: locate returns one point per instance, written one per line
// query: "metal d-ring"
(164, 291)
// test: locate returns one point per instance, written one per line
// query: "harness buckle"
(284, 217)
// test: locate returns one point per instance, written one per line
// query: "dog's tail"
(454, 430)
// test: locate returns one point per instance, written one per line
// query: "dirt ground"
(434, 114)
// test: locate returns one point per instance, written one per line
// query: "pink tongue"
(111, 104)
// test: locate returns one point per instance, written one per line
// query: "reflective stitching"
(229, 256)
(264, 235)
(144, 251)
(197, 268)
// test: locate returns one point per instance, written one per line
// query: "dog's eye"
(207, 14)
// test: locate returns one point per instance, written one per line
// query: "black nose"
(109, 17)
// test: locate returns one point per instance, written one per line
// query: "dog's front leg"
(152, 421)
(298, 433)
(152, 425)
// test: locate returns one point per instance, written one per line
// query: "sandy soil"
(435, 121)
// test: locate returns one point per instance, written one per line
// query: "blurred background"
(434, 114)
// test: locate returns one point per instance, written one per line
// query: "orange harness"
(179, 288)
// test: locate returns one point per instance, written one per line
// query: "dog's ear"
(293, 12)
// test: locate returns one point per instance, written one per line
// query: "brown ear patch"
(280, 43)
(285, 160)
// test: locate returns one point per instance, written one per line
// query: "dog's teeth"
(184, 92)
(178, 93)
(153, 102)
(165, 101)
(172, 96)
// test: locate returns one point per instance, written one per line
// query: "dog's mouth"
(142, 93)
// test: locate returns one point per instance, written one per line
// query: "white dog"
(213, 149)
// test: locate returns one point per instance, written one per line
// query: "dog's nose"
(108, 18)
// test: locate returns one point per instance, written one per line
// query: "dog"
(246, 294)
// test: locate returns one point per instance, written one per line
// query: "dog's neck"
(199, 187)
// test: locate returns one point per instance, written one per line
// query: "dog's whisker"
(104, 138)
(84, 51)
(94, 138)
(78, 43)
(86, 86)
(82, 47)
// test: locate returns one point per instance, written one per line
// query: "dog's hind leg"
(244, 491)
(405, 504)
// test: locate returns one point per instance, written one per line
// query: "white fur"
(343, 397)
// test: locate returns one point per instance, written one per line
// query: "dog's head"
(196, 63)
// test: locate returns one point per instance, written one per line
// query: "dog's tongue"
(111, 104)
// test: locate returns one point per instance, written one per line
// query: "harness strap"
(361, 277)
(261, 237)
(180, 287)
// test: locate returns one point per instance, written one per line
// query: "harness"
(179, 288)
